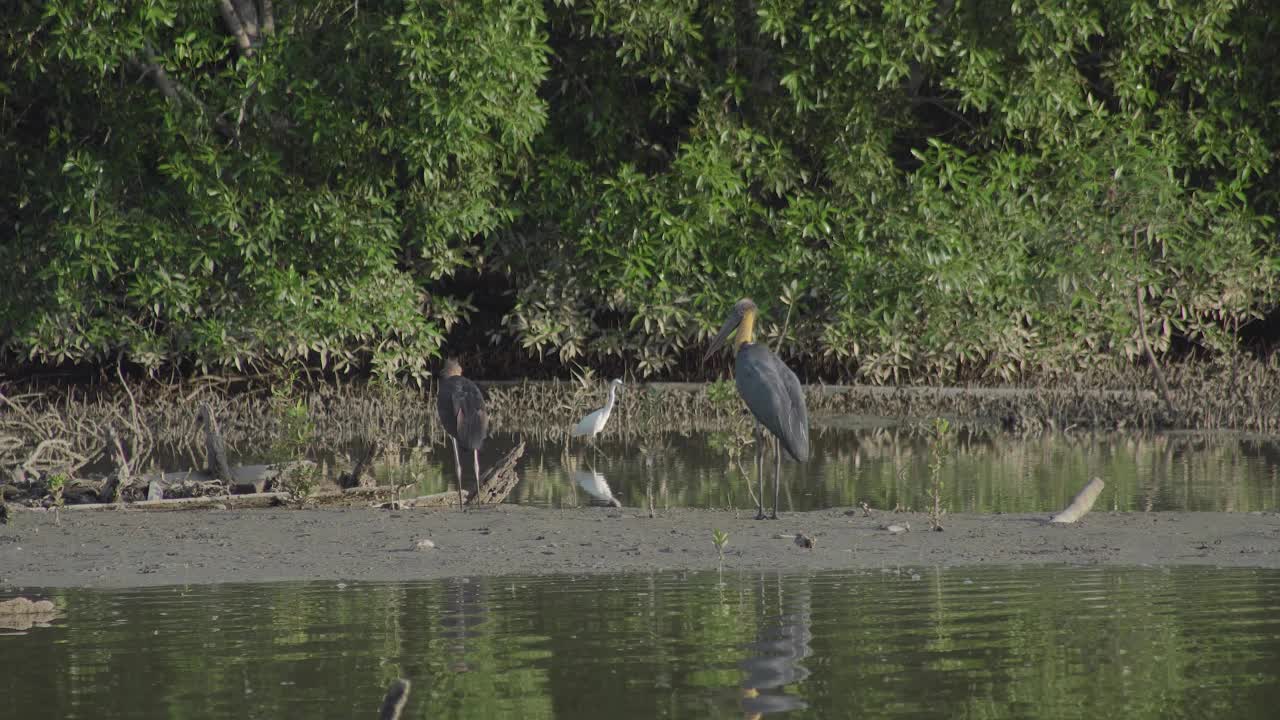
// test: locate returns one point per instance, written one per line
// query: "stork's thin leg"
(760, 473)
(777, 475)
(476, 459)
(457, 464)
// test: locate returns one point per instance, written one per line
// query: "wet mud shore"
(130, 549)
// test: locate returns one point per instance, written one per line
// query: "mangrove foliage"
(975, 190)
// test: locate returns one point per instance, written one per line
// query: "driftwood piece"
(1081, 503)
(393, 702)
(355, 478)
(499, 480)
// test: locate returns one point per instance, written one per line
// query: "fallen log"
(210, 502)
(444, 499)
(379, 494)
(352, 496)
(245, 479)
(1081, 503)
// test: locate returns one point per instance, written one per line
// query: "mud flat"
(126, 549)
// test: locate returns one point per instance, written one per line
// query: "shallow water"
(906, 642)
(888, 468)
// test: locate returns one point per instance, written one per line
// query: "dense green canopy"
(973, 189)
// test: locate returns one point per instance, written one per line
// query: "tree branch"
(166, 84)
(267, 14)
(236, 27)
(173, 90)
(248, 12)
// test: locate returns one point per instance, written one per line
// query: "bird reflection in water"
(594, 483)
(465, 611)
(782, 642)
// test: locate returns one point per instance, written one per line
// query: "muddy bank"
(119, 549)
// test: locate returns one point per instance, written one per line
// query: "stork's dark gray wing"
(460, 406)
(774, 396)
(472, 420)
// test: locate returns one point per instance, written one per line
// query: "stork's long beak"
(726, 329)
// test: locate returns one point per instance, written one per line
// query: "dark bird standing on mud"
(461, 409)
(772, 393)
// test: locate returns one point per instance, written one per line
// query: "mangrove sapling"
(937, 457)
(720, 538)
(299, 482)
(57, 484)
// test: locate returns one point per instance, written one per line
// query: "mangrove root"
(499, 480)
(1081, 503)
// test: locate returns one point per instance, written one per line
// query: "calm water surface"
(906, 642)
(886, 467)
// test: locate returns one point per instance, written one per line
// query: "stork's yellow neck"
(746, 330)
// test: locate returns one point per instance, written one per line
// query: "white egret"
(592, 424)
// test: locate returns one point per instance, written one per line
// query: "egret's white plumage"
(591, 425)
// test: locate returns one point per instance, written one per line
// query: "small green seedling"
(57, 483)
(720, 538)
